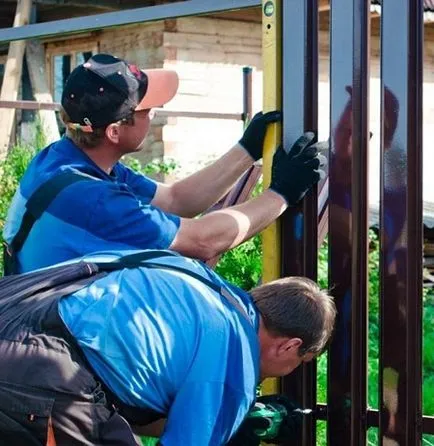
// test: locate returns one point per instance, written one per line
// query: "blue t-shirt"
(110, 212)
(163, 340)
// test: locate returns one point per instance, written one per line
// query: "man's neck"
(103, 157)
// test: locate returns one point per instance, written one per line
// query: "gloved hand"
(272, 419)
(294, 173)
(291, 423)
(253, 138)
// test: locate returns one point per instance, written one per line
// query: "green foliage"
(242, 266)
(152, 168)
(12, 169)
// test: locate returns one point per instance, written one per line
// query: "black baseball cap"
(106, 89)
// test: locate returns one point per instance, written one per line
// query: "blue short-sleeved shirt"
(163, 340)
(112, 212)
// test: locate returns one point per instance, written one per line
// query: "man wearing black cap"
(106, 108)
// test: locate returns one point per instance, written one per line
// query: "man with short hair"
(107, 105)
(168, 338)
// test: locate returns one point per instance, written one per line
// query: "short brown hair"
(296, 307)
(80, 138)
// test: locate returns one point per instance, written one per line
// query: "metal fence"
(399, 419)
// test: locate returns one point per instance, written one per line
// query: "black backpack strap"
(36, 205)
(134, 260)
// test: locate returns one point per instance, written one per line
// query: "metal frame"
(127, 17)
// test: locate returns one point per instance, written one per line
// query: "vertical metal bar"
(359, 271)
(247, 95)
(401, 223)
(348, 219)
(340, 219)
(299, 225)
(272, 72)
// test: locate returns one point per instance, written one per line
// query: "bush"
(12, 168)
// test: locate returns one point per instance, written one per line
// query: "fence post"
(348, 224)
(299, 224)
(401, 223)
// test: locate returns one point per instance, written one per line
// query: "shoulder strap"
(39, 202)
(134, 260)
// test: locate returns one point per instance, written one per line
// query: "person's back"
(166, 337)
(82, 218)
(166, 341)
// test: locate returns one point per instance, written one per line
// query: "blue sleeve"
(140, 184)
(205, 413)
(122, 217)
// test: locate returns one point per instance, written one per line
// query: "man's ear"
(289, 345)
(112, 133)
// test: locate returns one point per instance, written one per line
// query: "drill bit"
(303, 411)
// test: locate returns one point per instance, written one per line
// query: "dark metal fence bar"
(299, 225)
(359, 270)
(348, 219)
(127, 17)
(401, 223)
(373, 418)
(340, 219)
(428, 425)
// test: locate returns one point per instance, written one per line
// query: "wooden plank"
(212, 42)
(12, 76)
(35, 56)
(220, 27)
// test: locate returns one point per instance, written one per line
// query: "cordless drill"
(271, 416)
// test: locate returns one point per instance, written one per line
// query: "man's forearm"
(221, 230)
(196, 193)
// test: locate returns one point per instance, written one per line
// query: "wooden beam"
(12, 76)
(35, 56)
(323, 5)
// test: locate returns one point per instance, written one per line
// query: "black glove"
(294, 173)
(291, 424)
(254, 135)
